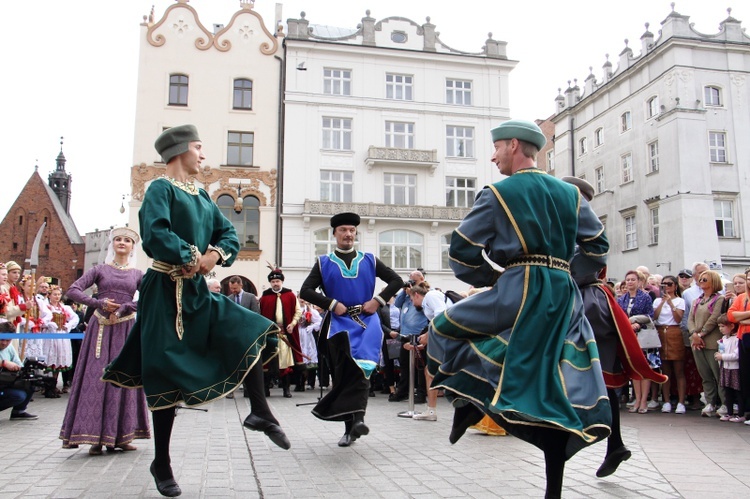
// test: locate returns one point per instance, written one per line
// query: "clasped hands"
(206, 264)
(369, 307)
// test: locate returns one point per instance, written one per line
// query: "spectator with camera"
(9, 396)
(413, 323)
(432, 302)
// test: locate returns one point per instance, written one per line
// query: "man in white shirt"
(432, 302)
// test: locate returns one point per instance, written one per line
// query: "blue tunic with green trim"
(523, 351)
(354, 285)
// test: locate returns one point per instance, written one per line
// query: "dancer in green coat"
(523, 352)
(189, 346)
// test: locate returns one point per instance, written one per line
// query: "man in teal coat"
(189, 346)
(523, 352)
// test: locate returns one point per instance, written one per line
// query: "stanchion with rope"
(410, 413)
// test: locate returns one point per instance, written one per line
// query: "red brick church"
(61, 250)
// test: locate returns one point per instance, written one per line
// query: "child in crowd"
(728, 357)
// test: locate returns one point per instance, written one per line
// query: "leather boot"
(285, 382)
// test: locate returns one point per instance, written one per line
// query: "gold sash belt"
(540, 260)
(104, 321)
(175, 273)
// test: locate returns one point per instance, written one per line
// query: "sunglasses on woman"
(703, 280)
(667, 283)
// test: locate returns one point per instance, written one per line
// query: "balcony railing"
(385, 211)
(391, 156)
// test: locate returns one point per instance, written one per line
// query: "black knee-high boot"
(163, 421)
(554, 442)
(254, 385)
(614, 441)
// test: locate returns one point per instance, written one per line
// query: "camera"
(409, 283)
(31, 374)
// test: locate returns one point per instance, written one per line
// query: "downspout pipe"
(280, 157)
(572, 148)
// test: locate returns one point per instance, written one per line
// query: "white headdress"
(126, 232)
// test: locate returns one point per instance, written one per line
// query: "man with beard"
(279, 304)
(352, 326)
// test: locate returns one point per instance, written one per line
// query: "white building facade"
(389, 122)
(226, 81)
(663, 140)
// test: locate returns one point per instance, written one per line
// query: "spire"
(59, 180)
(61, 158)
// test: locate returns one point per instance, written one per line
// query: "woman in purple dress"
(100, 414)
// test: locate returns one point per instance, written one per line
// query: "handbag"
(649, 338)
(394, 348)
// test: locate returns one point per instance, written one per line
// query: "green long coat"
(211, 351)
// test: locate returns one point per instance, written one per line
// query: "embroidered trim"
(223, 255)
(350, 272)
(188, 187)
(175, 273)
(539, 260)
(193, 257)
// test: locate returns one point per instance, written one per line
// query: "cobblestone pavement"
(213, 456)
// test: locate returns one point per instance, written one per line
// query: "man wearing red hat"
(279, 305)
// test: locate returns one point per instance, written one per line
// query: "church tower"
(60, 181)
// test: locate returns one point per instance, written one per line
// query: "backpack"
(453, 296)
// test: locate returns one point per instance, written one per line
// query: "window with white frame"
(653, 156)
(717, 147)
(712, 96)
(652, 107)
(337, 134)
(178, 90)
(460, 192)
(626, 122)
(459, 141)
(550, 160)
(399, 87)
(445, 246)
(337, 81)
(240, 147)
(336, 186)
(325, 243)
(458, 92)
(626, 167)
(631, 236)
(583, 146)
(399, 189)
(598, 137)
(399, 135)
(654, 222)
(400, 249)
(599, 173)
(724, 215)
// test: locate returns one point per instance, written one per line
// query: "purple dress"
(100, 413)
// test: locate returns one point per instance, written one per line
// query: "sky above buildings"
(70, 69)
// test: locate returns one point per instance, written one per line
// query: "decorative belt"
(354, 312)
(540, 260)
(175, 273)
(104, 321)
(664, 328)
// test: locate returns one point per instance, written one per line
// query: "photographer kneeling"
(13, 397)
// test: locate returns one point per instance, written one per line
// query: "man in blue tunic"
(352, 327)
(523, 352)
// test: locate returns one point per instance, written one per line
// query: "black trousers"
(420, 383)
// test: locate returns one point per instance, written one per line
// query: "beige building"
(225, 80)
(663, 139)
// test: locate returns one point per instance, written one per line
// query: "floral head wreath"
(55, 287)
